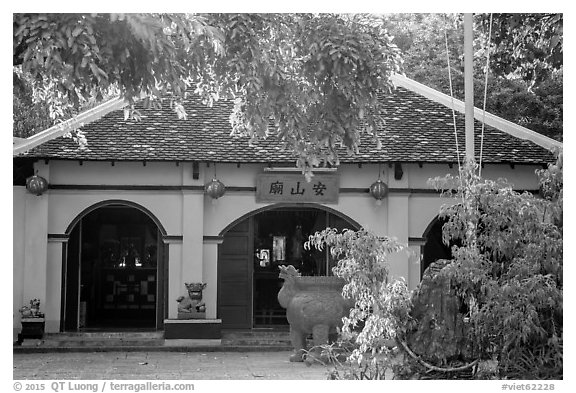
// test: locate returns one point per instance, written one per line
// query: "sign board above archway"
(291, 187)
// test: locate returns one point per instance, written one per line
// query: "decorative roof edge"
(492, 120)
(22, 145)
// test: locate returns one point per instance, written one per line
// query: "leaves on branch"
(312, 80)
(535, 103)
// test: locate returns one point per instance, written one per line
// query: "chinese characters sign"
(283, 187)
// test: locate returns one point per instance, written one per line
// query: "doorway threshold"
(283, 328)
(120, 329)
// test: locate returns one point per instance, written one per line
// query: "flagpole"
(469, 86)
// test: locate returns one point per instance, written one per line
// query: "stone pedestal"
(31, 328)
(192, 328)
(193, 314)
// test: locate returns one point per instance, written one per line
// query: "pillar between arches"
(398, 223)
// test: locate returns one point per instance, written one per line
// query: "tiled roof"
(417, 130)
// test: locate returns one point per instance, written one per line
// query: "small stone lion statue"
(192, 306)
(33, 311)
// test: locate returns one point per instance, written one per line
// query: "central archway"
(253, 248)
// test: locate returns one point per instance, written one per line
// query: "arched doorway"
(253, 248)
(434, 248)
(113, 276)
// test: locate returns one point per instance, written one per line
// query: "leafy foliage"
(540, 109)
(381, 305)
(84, 55)
(339, 356)
(526, 45)
(508, 270)
(530, 96)
(313, 80)
(28, 117)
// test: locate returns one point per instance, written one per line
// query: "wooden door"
(235, 277)
(162, 289)
(71, 282)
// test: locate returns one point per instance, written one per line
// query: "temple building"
(150, 205)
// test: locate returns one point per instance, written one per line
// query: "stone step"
(257, 332)
(249, 340)
(253, 335)
(101, 339)
(257, 337)
(123, 340)
(256, 341)
(105, 335)
(102, 343)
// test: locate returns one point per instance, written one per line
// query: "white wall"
(67, 205)
(121, 173)
(190, 214)
(423, 209)
(18, 236)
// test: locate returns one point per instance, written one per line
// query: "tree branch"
(430, 366)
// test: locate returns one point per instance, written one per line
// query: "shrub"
(381, 303)
(508, 270)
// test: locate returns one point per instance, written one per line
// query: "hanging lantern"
(36, 185)
(379, 190)
(215, 189)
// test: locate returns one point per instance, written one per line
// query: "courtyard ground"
(163, 366)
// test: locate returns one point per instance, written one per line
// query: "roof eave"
(22, 145)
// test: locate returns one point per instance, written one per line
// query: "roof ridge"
(488, 118)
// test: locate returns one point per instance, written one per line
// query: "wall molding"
(122, 187)
(213, 239)
(230, 189)
(172, 239)
(125, 187)
(416, 241)
(58, 238)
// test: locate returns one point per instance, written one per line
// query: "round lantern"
(215, 189)
(36, 185)
(379, 190)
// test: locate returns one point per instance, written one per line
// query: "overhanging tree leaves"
(72, 61)
(526, 45)
(311, 80)
(528, 91)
